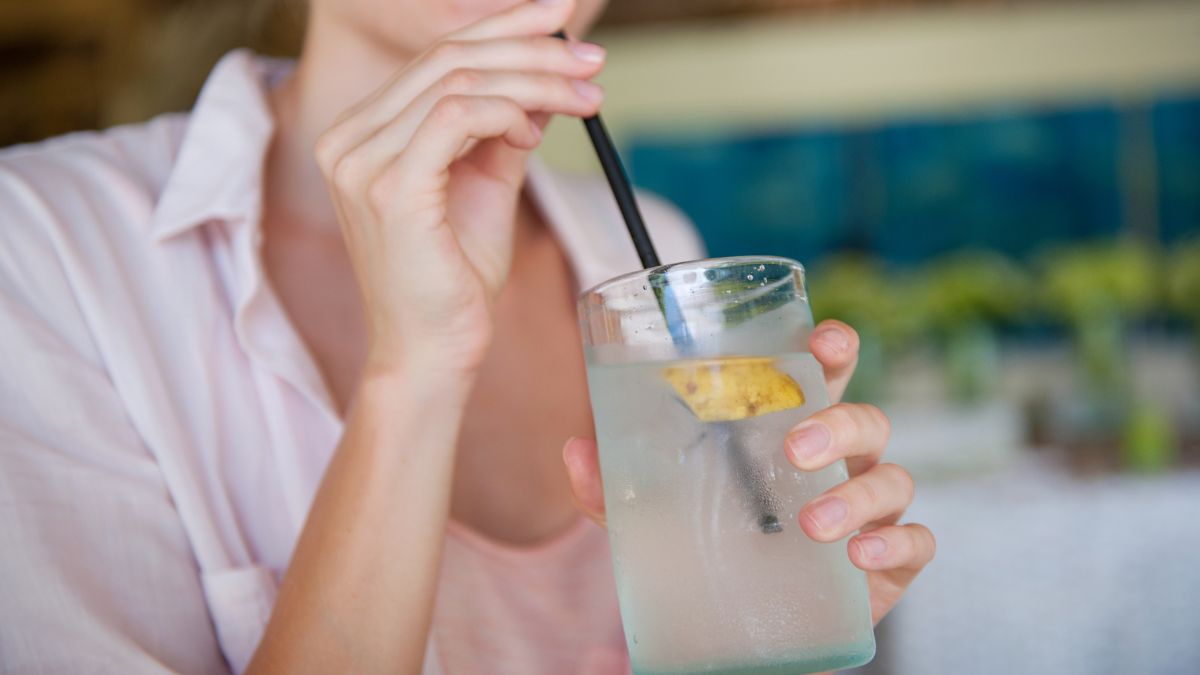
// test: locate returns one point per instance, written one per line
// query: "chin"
(461, 13)
(411, 26)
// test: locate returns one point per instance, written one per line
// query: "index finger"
(540, 17)
(835, 346)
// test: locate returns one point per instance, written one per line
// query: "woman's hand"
(426, 177)
(872, 501)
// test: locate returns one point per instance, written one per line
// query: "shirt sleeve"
(97, 573)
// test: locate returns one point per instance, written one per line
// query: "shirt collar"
(576, 225)
(218, 173)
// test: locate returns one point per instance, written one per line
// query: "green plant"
(859, 290)
(1183, 280)
(1085, 281)
(1098, 289)
(966, 294)
(975, 286)
(878, 303)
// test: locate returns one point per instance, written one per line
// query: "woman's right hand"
(426, 176)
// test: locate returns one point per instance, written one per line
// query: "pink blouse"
(163, 428)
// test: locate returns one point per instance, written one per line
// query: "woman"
(267, 412)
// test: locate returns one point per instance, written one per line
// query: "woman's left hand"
(871, 501)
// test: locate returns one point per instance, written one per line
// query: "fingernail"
(872, 548)
(834, 340)
(550, 2)
(827, 513)
(809, 442)
(537, 134)
(586, 51)
(588, 90)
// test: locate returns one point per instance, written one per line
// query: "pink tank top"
(549, 608)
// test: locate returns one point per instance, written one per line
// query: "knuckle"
(840, 420)
(327, 151)
(517, 115)
(451, 109)
(868, 492)
(900, 477)
(879, 419)
(379, 194)
(447, 50)
(460, 80)
(346, 174)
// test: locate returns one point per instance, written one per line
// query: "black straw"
(614, 170)
(618, 180)
(760, 499)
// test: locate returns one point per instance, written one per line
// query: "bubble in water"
(711, 275)
(749, 277)
(689, 278)
(762, 268)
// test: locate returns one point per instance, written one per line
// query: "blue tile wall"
(1012, 179)
(1177, 149)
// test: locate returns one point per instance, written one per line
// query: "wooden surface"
(642, 11)
(82, 64)
(57, 60)
(68, 65)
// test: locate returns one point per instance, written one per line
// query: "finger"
(856, 432)
(835, 346)
(542, 55)
(541, 17)
(419, 172)
(579, 60)
(882, 491)
(583, 471)
(361, 170)
(533, 92)
(897, 547)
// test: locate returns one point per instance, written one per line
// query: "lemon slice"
(733, 388)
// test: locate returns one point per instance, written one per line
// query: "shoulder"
(73, 197)
(674, 235)
(121, 162)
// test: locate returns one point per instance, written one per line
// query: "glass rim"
(691, 265)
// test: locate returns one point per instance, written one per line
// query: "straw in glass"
(614, 170)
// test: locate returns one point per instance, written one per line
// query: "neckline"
(521, 553)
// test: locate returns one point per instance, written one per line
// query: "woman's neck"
(334, 72)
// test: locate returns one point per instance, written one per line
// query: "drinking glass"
(697, 371)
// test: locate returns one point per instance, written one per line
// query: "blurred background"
(1003, 197)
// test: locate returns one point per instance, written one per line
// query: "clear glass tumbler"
(697, 371)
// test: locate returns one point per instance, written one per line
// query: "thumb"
(583, 470)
